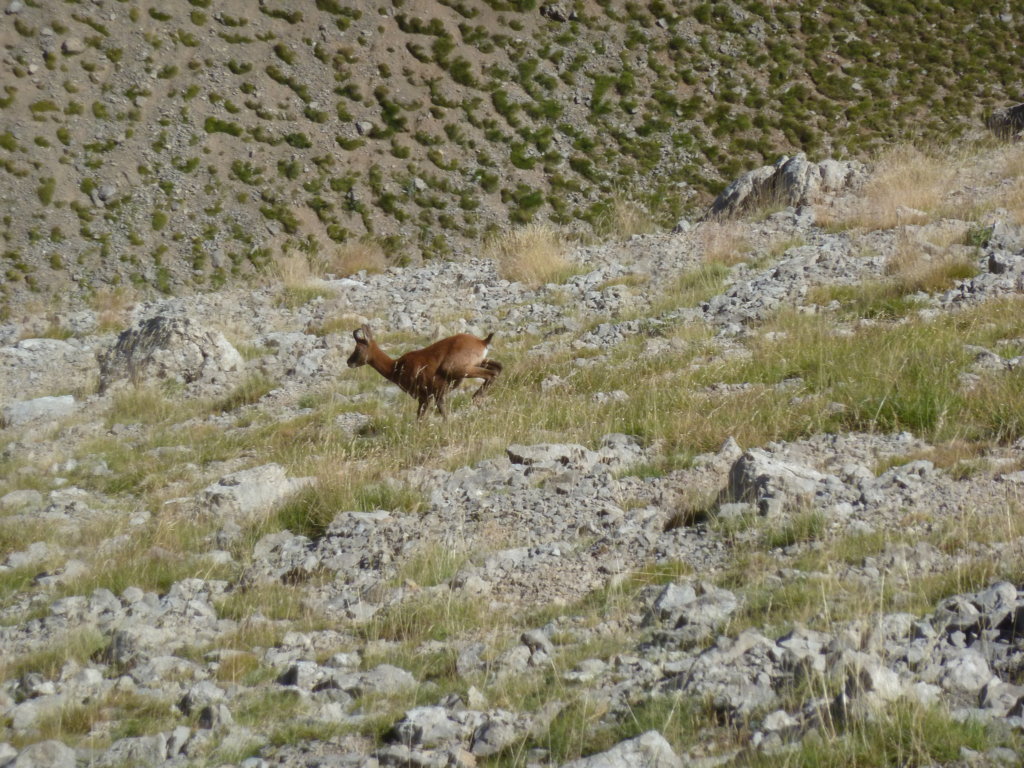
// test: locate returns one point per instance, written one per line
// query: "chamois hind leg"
(488, 371)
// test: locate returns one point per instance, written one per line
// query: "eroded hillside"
(178, 145)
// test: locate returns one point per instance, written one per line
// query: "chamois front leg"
(441, 387)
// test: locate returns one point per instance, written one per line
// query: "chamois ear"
(367, 333)
(358, 335)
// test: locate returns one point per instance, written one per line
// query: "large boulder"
(790, 181)
(170, 348)
(1007, 123)
(40, 408)
(45, 754)
(759, 478)
(36, 367)
(251, 493)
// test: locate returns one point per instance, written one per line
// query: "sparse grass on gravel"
(905, 733)
(534, 254)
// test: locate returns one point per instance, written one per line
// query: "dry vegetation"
(534, 255)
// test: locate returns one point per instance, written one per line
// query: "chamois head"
(361, 354)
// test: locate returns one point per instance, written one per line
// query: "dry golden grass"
(112, 306)
(624, 218)
(723, 242)
(908, 186)
(299, 278)
(914, 270)
(362, 256)
(534, 255)
(1008, 163)
(293, 269)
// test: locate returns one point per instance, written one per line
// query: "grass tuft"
(534, 255)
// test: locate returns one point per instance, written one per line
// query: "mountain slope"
(183, 144)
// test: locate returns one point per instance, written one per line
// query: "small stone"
(72, 46)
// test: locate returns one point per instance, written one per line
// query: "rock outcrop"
(793, 181)
(165, 348)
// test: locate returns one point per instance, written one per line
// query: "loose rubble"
(546, 524)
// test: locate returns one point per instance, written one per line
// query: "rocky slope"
(188, 145)
(675, 533)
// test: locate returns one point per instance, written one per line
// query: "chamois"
(431, 372)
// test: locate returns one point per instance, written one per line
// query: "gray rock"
(35, 553)
(1006, 123)
(618, 450)
(383, 679)
(16, 500)
(135, 751)
(201, 695)
(45, 754)
(758, 477)
(170, 348)
(556, 12)
(552, 456)
(469, 659)
(1006, 236)
(499, 731)
(735, 676)
(671, 602)
(22, 412)
(792, 181)
(72, 46)
(251, 493)
(867, 677)
(177, 740)
(649, 750)
(735, 510)
(427, 727)
(967, 672)
(803, 649)
(778, 720)
(537, 640)
(215, 716)
(1002, 698)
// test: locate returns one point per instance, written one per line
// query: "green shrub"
(46, 189)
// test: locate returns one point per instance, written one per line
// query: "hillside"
(164, 147)
(746, 494)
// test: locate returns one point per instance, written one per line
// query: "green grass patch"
(439, 615)
(78, 646)
(312, 509)
(906, 733)
(254, 387)
(691, 288)
(145, 405)
(276, 602)
(294, 296)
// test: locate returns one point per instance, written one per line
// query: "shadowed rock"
(169, 348)
(1007, 123)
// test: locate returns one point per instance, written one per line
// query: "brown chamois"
(431, 372)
